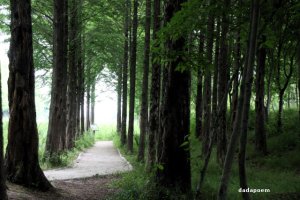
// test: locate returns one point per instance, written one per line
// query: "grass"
(278, 171)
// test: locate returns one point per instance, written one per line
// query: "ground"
(89, 178)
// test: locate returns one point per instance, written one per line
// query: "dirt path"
(88, 179)
(102, 159)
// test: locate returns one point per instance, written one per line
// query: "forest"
(206, 98)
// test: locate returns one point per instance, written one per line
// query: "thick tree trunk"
(207, 85)
(3, 194)
(222, 82)
(22, 163)
(154, 91)
(72, 80)
(56, 136)
(175, 115)
(216, 75)
(241, 122)
(260, 133)
(125, 74)
(199, 98)
(119, 101)
(132, 77)
(144, 103)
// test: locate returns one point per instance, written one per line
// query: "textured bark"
(93, 101)
(125, 74)
(22, 163)
(3, 194)
(88, 103)
(154, 90)
(241, 122)
(144, 103)
(56, 136)
(175, 115)
(119, 101)
(260, 133)
(207, 85)
(132, 77)
(216, 75)
(222, 82)
(72, 78)
(199, 98)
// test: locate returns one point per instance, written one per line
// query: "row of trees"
(210, 54)
(66, 38)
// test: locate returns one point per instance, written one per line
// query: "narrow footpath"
(88, 179)
(102, 159)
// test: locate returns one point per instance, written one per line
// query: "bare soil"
(94, 188)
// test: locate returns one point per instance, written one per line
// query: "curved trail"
(102, 159)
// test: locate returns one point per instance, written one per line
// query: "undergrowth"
(278, 171)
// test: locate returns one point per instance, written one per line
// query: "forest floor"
(89, 177)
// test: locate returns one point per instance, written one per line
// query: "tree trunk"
(241, 122)
(144, 103)
(199, 98)
(154, 90)
(3, 194)
(260, 133)
(56, 136)
(93, 101)
(119, 101)
(125, 74)
(216, 75)
(222, 82)
(88, 102)
(22, 163)
(72, 80)
(207, 85)
(175, 115)
(132, 77)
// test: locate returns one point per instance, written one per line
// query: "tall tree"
(154, 88)
(56, 136)
(144, 103)
(119, 101)
(241, 121)
(260, 133)
(199, 99)
(207, 82)
(222, 82)
(3, 194)
(175, 112)
(132, 76)
(125, 73)
(22, 164)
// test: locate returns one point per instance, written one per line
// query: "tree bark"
(199, 98)
(73, 78)
(144, 103)
(132, 77)
(222, 82)
(125, 74)
(22, 163)
(56, 136)
(88, 102)
(175, 114)
(154, 90)
(93, 101)
(207, 85)
(260, 133)
(119, 101)
(241, 122)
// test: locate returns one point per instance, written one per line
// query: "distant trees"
(22, 164)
